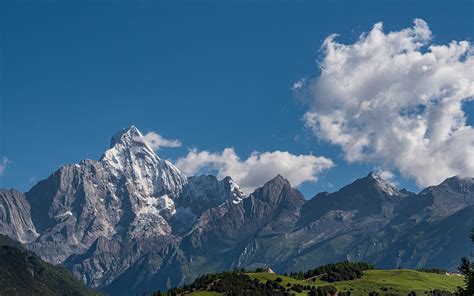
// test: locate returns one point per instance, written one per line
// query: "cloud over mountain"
(257, 168)
(156, 141)
(395, 100)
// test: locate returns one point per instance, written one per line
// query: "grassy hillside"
(384, 282)
(399, 282)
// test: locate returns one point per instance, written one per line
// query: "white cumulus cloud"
(156, 141)
(3, 165)
(395, 100)
(257, 169)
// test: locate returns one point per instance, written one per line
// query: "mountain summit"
(129, 156)
(127, 137)
(131, 222)
(129, 192)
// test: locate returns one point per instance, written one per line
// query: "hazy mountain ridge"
(132, 222)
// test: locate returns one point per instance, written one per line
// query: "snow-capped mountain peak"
(131, 139)
(126, 136)
(130, 156)
(237, 194)
(128, 194)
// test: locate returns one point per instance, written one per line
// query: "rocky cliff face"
(15, 217)
(131, 221)
(431, 227)
(129, 192)
(273, 208)
(364, 197)
(205, 192)
(100, 218)
(373, 221)
(331, 227)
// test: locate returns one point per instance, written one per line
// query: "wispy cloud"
(3, 165)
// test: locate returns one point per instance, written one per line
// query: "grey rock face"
(330, 227)
(449, 197)
(100, 218)
(131, 222)
(271, 208)
(372, 221)
(15, 216)
(129, 192)
(431, 227)
(205, 192)
(366, 196)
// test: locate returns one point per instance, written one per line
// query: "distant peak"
(458, 178)
(130, 156)
(459, 182)
(277, 180)
(371, 175)
(375, 181)
(280, 177)
(126, 136)
(377, 178)
(128, 141)
(278, 190)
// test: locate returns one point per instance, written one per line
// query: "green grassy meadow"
(398, 281)
(385, 282)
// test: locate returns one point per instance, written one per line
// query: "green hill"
(23, 273)
(397, 282)
(383, 282)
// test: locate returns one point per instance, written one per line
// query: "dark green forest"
(341, 271)
(24, 273)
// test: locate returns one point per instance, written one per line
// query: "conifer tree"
(467, 269)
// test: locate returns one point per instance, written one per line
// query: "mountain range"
(132, 222)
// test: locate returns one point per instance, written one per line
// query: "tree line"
(341, 271)
(238, 283)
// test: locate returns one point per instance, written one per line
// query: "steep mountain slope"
(103, 218)
(332, 227)
(205, 192)
(367, 196)
(373, 221)
(129, 192)
(150, 260)
(432, 226)
(271, 208)
(131, 221)
(217, 239)
(23, 273)
(15, 216)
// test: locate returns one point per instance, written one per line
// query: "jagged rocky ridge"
(132, 222)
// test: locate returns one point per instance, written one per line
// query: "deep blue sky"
(211, 74)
